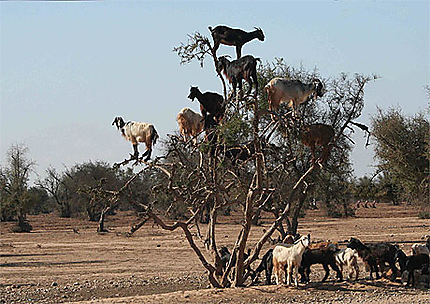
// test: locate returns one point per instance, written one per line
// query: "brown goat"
(318, 135)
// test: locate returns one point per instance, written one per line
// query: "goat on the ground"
(412, 263)
(349, 258)
(374, 255)
(288, 259)
(225, 258)
(136, 132)
(324, 256)
(420, 249)
(222, 34)
(266, 265)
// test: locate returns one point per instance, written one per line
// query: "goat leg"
(327, 272)
(136, 151)
(338, 271)
(238, 51)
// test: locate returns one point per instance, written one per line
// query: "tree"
(40, 202)
(276, 174)
(59, 188)
(86, 175)
(15, 200)
(402, 148)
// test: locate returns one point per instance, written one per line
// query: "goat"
(190, 123)
(236, 70)
(225, 258)
(324, 256)
(291, 257)
(294, 92)
(412, 263)
(266, 265)
(348, 257)
(318, 135)
(136, 132)
(323, 245)
(420, 249)
(375, 254)
(212, 103)
(230, 36)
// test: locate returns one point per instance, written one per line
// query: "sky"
(68, 68)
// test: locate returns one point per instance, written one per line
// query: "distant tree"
(364, 189)
(15, 199)
(40, 202)
(402, 149)
(60, 190)
(90, 174)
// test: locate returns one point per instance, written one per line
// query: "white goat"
(190, 123)
(420, 249)
(348, 257)
(294, 92)
(291, 257)
(136, 132)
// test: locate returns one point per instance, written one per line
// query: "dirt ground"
(54, 264)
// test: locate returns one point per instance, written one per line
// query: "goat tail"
(154, 136)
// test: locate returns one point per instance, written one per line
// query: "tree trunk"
(101, 227)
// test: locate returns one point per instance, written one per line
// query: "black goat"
(376, 254)
(266, 265)
(244, 152)
(241, 152)
(325, 257)
(230, 36)
(225, 258)
(212, 103)
(239, 69)
(412, 263)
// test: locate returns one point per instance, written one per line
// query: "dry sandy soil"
(53, 264)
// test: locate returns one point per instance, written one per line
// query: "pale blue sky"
(67, 68)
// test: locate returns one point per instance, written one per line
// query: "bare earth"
(53, 264)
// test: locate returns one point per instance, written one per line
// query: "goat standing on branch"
(230, 36)
(136, 132)
(294, 92)
(318, 135)
(212, 103)
(236, 70)
(190, 124)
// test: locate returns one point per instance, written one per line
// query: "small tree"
(57, 185)
(15, 200)
(402, 148)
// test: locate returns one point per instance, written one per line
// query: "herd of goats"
(292, 256)
(213, 105)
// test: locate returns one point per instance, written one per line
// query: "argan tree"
(15, 198)
(248, 162)
(402, 149)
